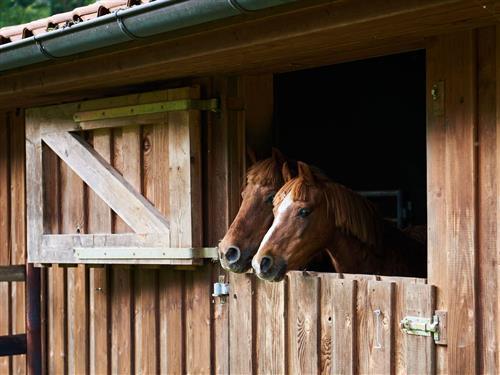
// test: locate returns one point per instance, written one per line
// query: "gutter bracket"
(42, 49)
(123, 28)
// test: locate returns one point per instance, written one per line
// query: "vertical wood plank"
(155, 175)
(343, 327)
(498, 176)
(99, 221)
(225, 165)
(303, 323)
(419, 301)
(271, 305)
(73, 221)
(436, 184)
(126, 159)
(170, 289)
(400, 350)
(56, 276)
(452, 196)
(380, 327)
(186, 226)
(241, 319)
(326, 321)
(17, 226)
(488, 160)
(172, 332)
(362, 317)
(461, 216)
(5, 255)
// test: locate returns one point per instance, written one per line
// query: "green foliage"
(15, 12)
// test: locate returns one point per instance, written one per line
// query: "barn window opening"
(364, 124)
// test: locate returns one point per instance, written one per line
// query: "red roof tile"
(99, 8)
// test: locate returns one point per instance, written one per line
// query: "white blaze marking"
(277, 220)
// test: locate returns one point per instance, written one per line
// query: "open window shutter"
(121, 180)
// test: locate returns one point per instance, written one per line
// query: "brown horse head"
(255, 215)
(309, 211)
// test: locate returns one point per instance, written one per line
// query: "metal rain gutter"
(124, 25)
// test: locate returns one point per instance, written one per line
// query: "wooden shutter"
(116, 180)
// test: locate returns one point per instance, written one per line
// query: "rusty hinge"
(420, 326)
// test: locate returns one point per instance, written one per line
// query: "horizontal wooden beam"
(173, 253)
(13, 273)
(64, 249)
(12, 345)
(149, 108)
(107, 183)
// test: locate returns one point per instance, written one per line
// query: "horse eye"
(304, 212)
(269, 199)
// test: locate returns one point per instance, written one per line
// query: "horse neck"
(350, 255)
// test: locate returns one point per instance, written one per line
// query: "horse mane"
(352, 213)
(266, 172)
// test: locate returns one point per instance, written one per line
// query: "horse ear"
(305, 172)
(251, 156)
(286, 172)
(277, 156)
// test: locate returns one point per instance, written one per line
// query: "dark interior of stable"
(364, 124)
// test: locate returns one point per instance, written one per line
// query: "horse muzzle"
(269, 268)
(234, 260)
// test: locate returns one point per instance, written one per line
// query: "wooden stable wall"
(12, 230)
(463, 191)
(329, 324)
(126, 320)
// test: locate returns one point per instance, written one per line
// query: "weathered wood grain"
(363, 315)
(172, 324)
(73, 221)
(5, 255)
(420, 350)
(126, 146)
(241, 323)
(270, 331)
(400, 348)
(326, 321)
(154, 151)
(99, 221)
(18, 225)
(436, 183)
(380, 310)
(303, 323)
(459, 52)
(343, 328)
(488, 184)
(117, 192)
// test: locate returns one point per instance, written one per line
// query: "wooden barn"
(123, 135)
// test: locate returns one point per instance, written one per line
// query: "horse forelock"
(352, 213)
(266, 172)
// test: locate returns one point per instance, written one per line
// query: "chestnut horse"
(255, 216)
(239, 245)
(313, 213)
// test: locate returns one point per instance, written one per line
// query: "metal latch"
(221, 290)
(420, 326)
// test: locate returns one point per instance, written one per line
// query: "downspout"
(138, 22)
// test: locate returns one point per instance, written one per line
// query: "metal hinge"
(420, 326)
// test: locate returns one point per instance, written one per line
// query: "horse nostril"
(265, 264)
(232, 254)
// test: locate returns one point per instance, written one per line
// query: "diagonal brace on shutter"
(107, 183)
